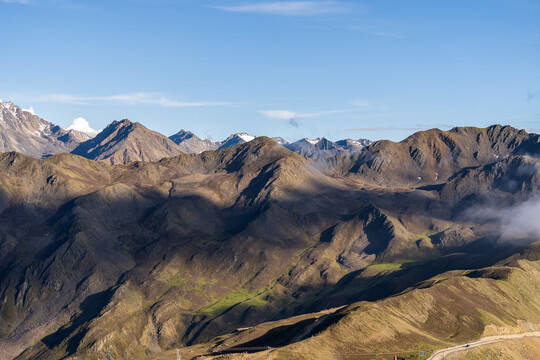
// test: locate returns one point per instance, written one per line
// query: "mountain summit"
(24, 132)
(124, 141)
(235, 139)
(191, 143)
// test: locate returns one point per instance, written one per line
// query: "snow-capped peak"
(280, 140)
(6, 104)
(313, 141)
(9, 106)
(246, 137)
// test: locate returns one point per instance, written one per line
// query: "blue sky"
(338, 69)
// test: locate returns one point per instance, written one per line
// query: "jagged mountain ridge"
(435, 155)
(319, 148)
(29, 134)
(197, 245)
(125, 141)
(324, 148)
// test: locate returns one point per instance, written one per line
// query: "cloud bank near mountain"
(518, 223)
(82, 125)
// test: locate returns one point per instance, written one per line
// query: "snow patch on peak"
(9, 106)
(6, 105)
(246, 137)
(313, 141)
(280, 140)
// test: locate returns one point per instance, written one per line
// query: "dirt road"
(445, 353)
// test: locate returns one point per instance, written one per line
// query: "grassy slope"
(454, 310)
(456, 307)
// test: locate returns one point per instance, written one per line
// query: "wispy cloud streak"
(289, 8)
(287, 114)
(15, 1)
(292, 117)
(140, 98)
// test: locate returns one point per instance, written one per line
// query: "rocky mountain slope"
(433, 156)
(124, 141)
(28, 134)
(148, 256)
(192, 144)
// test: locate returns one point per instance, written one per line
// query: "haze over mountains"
(400, 246)
(123, 141)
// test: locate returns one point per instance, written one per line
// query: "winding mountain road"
(442, 354)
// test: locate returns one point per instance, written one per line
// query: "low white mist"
(521, 221)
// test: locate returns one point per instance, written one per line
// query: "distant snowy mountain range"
(123, 141)
(313, 148)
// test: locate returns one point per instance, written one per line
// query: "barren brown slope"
(434, 155)
(515, 175)
(123, 141)
(85, 221)
(146, 256)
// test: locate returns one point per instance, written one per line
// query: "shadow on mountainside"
(75, 330)
(240, 236)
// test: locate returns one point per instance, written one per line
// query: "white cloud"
(288, 115)
(30, 110)
(155, 99)
(82, 125)
(140, 98)
(291, 8)
(518, 223)
(280, 114)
